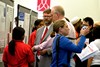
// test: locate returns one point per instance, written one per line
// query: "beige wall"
(81, 8)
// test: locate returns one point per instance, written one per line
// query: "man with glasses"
(41, 37)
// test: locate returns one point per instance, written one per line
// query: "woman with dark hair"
(38, 23)
(17, 53)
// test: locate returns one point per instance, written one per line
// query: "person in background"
(95, 60)
(96, 24)
(15, 24)
(88, 22)
(62, 51)
(76, 21)
(37, 24)
(17, 53)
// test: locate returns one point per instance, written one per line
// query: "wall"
(81, 8)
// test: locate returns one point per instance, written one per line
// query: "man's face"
(84, 23)
(54, 15)
(47, 18)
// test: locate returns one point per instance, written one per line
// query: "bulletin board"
(6, 18)
(33, 17)
(2, 26)
(24, 20)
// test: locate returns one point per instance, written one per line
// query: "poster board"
(33, 17)
(2, 26)
(6, 17)
(24, 20)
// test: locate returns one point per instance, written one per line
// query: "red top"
(32, 38)
(23, 55)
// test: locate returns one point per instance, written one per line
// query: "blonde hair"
(56, 26)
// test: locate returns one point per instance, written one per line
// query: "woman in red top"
(37, 24)
(17, 53)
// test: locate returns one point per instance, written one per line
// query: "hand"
(84, 31)
(42, 52)
(33, 49)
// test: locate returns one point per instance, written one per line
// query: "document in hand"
(89, 51)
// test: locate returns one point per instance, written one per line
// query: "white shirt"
(72, 32)
(96, 57)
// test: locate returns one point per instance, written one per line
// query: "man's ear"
(90, 26)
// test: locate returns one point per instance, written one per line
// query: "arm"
(32, 38)
(89, 62)
(45, 44)
(30, 57)
(77, 48)
(47, 51)
(68, 45)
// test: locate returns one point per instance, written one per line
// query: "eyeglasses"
(46, 16)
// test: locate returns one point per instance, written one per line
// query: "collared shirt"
(45, 28)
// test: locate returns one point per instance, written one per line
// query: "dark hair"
(78, 26)
(96, 32)
(36, 23)
(89, 20)
(16, 21)
(17, 34)
(47, 11)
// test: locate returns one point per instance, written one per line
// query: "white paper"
(88, 52)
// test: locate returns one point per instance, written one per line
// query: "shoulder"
(96, 42)
(27, 45)
(33, 33)
(41, 28)
(22, 45)
(62, 37)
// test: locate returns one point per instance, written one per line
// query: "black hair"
(47, 11)
(36, 23)
(89, 20)
(17, 34)
(16, 21)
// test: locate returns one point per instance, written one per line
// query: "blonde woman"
(63, 47)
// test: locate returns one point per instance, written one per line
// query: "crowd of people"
(54, 42)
